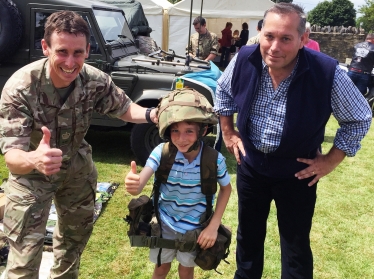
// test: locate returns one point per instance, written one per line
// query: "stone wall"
(337, 45)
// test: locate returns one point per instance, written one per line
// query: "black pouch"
(141, 211)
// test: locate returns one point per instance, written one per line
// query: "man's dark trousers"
(295, 202)
(361, 80)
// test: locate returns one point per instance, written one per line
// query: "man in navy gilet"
(284, 95)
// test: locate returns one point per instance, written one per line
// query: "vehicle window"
(112, 24)
(41, 18)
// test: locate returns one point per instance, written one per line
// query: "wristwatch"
(148, 115)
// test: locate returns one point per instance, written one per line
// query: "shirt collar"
(180, 157)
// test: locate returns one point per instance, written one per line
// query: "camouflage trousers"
(26, 214)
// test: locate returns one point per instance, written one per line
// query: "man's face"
(280, 41)
(67, 54)
(201, 29)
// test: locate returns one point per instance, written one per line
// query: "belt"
(358, 71)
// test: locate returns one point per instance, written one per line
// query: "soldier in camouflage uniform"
(203, 44)
(45, 111)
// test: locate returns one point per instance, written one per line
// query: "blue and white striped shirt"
(181, 201)
(269, 109)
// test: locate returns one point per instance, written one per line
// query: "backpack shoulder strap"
(169, 151)
(208, 176)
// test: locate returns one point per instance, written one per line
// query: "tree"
(334, 13)
(367, 18)
(278, 1)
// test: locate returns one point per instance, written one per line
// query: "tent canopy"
(216, 13)
(150, 7)
(222, 8)
(154, 11)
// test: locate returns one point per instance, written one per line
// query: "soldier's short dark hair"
(200, 20)
(259, 24)
(65, 21)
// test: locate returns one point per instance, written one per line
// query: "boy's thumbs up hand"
(45, 159)
(132, 180)
(133, 167)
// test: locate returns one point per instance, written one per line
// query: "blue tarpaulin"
(208, 77)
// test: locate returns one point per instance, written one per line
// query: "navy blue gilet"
(307, 111)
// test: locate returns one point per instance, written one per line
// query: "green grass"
(342, 235)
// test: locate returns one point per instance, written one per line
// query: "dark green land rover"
(144, 78)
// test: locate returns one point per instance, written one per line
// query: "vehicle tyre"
(144, 138)
(10, 28)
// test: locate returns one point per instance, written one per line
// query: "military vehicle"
(144, 78)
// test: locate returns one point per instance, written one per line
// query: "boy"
(183, 117)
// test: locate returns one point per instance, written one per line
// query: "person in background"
(235, 42)
(203, 44)
(362, 64)
(284, 95)
(256, 39)
(312, 44)
(244, 34)
(225, 45)
(45, 111)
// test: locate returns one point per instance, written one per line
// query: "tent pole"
(189, 32)
(165, 29)
(198, 41)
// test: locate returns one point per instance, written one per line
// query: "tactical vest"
(144, 219)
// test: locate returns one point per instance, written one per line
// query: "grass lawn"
(342, 235)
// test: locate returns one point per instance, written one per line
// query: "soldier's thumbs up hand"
(46, 137)
(132, 180)
(47, 160)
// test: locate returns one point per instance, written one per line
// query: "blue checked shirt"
(269, 109)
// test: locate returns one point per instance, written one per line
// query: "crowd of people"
(283, 92)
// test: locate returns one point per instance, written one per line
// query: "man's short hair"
(259, 24)
(289, 8)
(245, 26)
(200, 20)
(65, 21)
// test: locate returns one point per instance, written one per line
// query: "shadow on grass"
(329, 139)
(110, 147)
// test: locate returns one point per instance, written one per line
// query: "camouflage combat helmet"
(185, 104)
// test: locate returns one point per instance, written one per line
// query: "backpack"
(144, 220)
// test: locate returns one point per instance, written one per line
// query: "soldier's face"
(280, 41)
(201, 29)
(67, 54)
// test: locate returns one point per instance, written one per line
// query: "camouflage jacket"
(208, 44)
(30, 101)
(254, 40)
